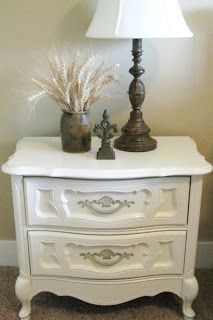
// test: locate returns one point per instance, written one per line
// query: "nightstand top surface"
(43, 156)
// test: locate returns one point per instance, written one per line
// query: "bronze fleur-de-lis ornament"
(105, 131)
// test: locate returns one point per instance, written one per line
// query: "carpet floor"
(47, 306)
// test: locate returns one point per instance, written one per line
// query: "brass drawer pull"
(105, 202)
(106, 258)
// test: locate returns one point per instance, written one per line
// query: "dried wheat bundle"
(74, 85)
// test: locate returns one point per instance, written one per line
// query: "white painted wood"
(108, 292)
(190, 285)
(104, 257)
(23, 282)
(89, 204)
(128, 243)
(20, 224)
(193, 225)
(23, 289)
(204, 260)
(44, 157)
(189, 293)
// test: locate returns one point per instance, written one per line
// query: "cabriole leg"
(190, 291)
(23, 293)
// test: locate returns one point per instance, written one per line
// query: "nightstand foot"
(190, 291)
(23, 293)
(188, 312)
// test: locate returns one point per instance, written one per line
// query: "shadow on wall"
(201, 20)
(76, 22)
(72, 30)
(201, 23)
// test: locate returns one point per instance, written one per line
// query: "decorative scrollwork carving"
(106, 257)
(105, 202)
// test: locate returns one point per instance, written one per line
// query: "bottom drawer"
(106, 257)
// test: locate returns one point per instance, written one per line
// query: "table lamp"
(137, 19)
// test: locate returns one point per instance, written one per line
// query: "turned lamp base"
(135, 144)
(135, 134)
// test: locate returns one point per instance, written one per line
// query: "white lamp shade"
(135, 19)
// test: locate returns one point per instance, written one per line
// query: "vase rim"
(76, 112)
(84, 112)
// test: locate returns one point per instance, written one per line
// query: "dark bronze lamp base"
(142, 144)
(135, 134)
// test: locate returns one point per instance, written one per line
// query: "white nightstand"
(107, 231)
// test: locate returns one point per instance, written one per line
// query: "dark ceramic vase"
(75, 132)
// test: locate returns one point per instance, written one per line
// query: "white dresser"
(106, 231)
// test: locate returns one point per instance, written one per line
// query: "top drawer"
(107, 204)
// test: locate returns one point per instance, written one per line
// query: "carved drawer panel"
(107, 204)
(106, 257)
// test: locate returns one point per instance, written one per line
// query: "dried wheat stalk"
(76, 85)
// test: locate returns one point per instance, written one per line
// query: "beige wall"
(179, 81)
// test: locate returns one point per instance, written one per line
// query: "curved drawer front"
(106, 257)
(107, 204)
